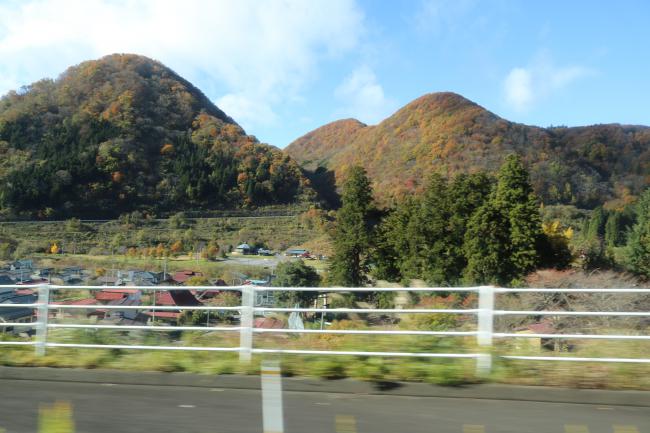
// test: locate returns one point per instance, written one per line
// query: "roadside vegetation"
(467, 230)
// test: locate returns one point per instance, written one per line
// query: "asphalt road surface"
(103, 408)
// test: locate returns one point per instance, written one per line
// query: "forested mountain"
(446, 133)
(126, 133)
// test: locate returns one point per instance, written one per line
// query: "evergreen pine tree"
(638, 245)
(503, 235)
(352, 236)
(433, 222)
(596, 224)
(613, 230)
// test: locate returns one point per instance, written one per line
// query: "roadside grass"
(443, 371)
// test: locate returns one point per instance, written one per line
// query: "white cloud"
(437, 16)
(245, 110)
(259, 53)
(363, 97)
(524, 87)
(519, 88)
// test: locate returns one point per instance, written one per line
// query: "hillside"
(126, 133)
(445, 132)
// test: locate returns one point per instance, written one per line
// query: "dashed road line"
(574, 428)
(473, 428)
(346, 424)
(625, 429)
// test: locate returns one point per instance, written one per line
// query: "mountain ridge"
(125, 133)
(447, 133)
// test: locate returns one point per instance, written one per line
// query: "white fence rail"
(485, 314)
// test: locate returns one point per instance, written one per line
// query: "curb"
(342, 386)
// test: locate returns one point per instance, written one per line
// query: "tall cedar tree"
(638, 246)
(502, 236)
(352, 237)
(423, 238)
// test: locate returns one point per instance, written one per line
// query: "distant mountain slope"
(445, 132)
(123, 133)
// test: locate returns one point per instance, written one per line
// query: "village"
(121, 291)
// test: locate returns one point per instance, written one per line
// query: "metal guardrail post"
(246, 333)
(42, 316)
(485, 328)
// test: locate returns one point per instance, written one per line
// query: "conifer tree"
(613, 230)
(502, 236)
(638, 245)
(352, 236)
(596, 224)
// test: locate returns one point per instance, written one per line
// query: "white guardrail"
(484, 333)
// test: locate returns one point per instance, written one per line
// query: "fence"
(484, 314)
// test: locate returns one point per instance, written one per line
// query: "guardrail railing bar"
(366, 310)
(485, 316)
(573, 290)
(570, 313)
(362, 353)
(573, 336)
(143, 347)
(364, 289)
(122, 288)
(140, 307)
(362, 332)
(574, 359)
(18, 324)
(145, 327)
(17, 343)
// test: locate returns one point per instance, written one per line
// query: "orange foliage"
(167, 149)
(117, 176)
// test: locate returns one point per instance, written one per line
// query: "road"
(103, 408)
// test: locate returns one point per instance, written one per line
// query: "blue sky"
(284, 67)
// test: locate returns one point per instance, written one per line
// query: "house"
(170, 317)
(181, 277)
(32, 281)
(117, 314)
(109, 295)
(262, 298)
(18, 314)
(6, 293)
(72, 275)
(138, 277)
(67, 312)
(145, 278)
(45, 272)
(24, 264)
(19, 275)
(176, 298)
(171, 298)
(243, 249)
(296, 252)
(6, 281)
(106, 280)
